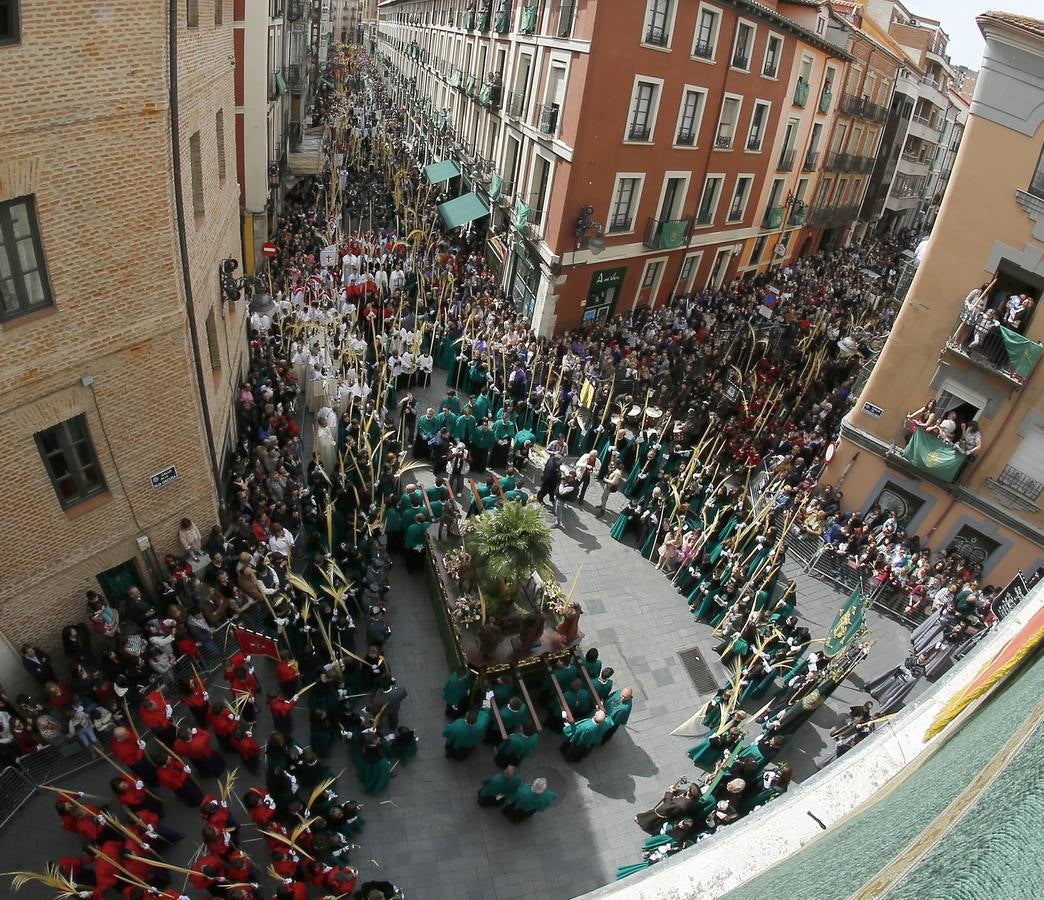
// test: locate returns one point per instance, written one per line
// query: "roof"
(793, 27)
(876, 33)
(1034, 27)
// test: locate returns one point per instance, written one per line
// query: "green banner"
(1022, 352)
(496, 185)
(529, 17)
(521, 214)
(934, 456)
(847, 622)
(672, 234)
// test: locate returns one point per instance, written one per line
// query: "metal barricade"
(16, 789)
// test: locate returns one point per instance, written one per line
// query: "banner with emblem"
(1022, 352)
(934, 456)
(847, 622)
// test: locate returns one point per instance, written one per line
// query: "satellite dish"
(596, 245)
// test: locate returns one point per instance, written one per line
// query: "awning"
(441, 171)
(465, 208)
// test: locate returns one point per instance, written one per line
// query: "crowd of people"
(675, 408)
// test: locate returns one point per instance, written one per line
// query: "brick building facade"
(120, 358)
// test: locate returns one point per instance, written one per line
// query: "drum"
(634, 414)
(653, 414)
(616, 419)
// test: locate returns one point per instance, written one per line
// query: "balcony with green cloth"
(980, 338)
(667, 234)
(798, 214)
(800, 93)
(469, 19)
(469, 85)
(528, 23)
(824, 101)
(502, 23)
(773, 217)
(483, 20)
(934, 456)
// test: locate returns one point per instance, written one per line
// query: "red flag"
(250, 642)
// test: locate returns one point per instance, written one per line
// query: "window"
(758, 121)
(657, 22)
(69, 458)
(707, 24)
(219, 12)
(566, 9)
(10, 28)
(709, 199)
(804, 79)
(730, 110)
(212, 342)
(894, 498)
(758, 249)
(690, 117)
(643, 112)
(24, 286)
(740, 196)
(219, 132)
(652, 273)
(773, 51)
(1025, 473)
(196, 160)
(192, 13)
(688, 272)
(1037, 184)
(743, 46)
(973, 545)
(625, 203)
(828, 90)
(539, 182)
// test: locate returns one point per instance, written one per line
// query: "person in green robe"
(713, 710)
(477, 376)
(463, 735)
(451, 402)
(427, 427)
(528, 799)
(373, 766)
(512, 714)
(464, 426)
(517, 746)
(504, 430)
(482, 441)
(480, 404)
(402, 745)
(577, 698)
(321, 732)
(456, 692)
(393, 528)
(603, 684)
(592, 663)
(619, 710)
(713, 747)
(626, 520)
(516, 497)
(414, 542)
(583, 736)
(500, 787)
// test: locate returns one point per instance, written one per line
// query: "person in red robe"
(177, 777)
(129, 749)
(155, 713)
(194, 695)
(194, 746)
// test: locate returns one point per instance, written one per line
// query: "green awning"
(441, 171)
(465, 208)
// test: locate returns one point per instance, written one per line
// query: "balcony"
(639, 131)
(489, 95)
(754, 143)
(685, 139)
(982, 340)
(620, 223)
(483, 20)
(912, 164)
(863, 108)
(456, 78)
(824, 101)
(703, 50)
(922, 127)
(741, 61)
(723, 142)
(293, 77)
(667, 234)
(656, 36)
(798, 214)
(704, 217)
(838, 162)
(736, 212)
(547, 118)
(800, 93)
(1018, 487)
(773, 217)
(831, 216)
(786, 161)
(516, 103)
(566, 11)
(811, 161)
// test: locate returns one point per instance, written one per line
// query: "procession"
(412, 457)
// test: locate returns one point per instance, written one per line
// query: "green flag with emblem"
(933, 456)
(847, 622)
(1022, 352)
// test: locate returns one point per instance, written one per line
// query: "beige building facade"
(990, 232)
(119, 357)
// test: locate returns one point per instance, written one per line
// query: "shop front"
(603, 293)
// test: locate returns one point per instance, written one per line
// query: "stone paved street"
(426, 832)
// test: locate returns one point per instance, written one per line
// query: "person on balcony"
(1016, 311)
(924, 417)
(946, 429)
(984, 326)
(971, 440)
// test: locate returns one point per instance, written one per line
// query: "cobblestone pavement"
(426, 832)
